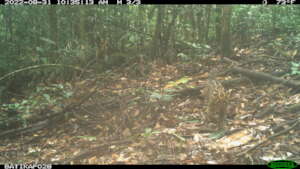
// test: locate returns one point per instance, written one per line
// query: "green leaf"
(167, 98)
(294, 68)
(68, 94)
(170, 90)
(44, 60)
(47, 97)
(16, 105)
(182, 55)
(184, 80)
(88, 138)
(294, 72)
(155, 95)
(217, 135)
(47, 40)
(34, 102)
(207, 46)
(60, 86)
(179, 137)
(38, 89)
(148, 132)
(39, 49)
(192, 121)
(24, 102)
(294, 64)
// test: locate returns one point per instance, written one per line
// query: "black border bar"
(137, 2)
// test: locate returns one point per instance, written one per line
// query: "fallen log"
(266, 77)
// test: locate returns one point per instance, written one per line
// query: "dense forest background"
(101, 38)
(52, 55)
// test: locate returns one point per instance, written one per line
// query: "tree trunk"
(191, 17)
(200, 27)
(156, 44)
(53, 23)
(226, 47)
(218, 24)
(206, 31)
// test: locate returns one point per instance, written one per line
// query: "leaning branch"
(39, 67)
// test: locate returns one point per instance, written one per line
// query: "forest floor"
(120, 118)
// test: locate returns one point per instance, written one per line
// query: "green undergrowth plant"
(42, 98)
(295, 68)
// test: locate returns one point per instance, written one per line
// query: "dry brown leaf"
(92, 160)
(126, 132)
(119, 86)
(237, 139)
(136, 112)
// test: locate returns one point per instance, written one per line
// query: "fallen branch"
(266, 77)
(38, 67)
(266, 111)
(270, 138)
(260, 76)
(51, 120)
(32, 128)
(274, 108)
